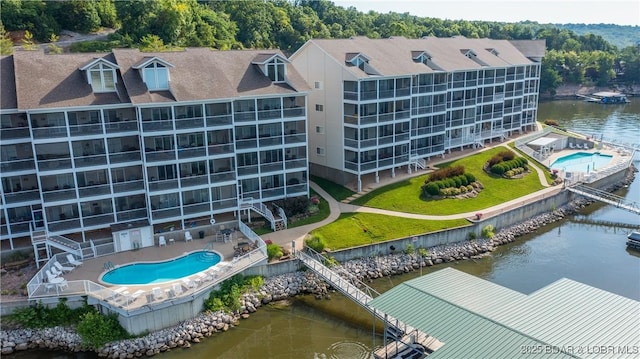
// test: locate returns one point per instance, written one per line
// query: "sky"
(619, 12)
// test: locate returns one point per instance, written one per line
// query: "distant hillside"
(620, 36)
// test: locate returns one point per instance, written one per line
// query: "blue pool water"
(581, 162)
(158, 272)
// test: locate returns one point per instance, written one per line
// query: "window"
(317, 85)
(156, 76)
(102, 78)
(320, 151)
(319, 108)
(319, 129)
(276, 70)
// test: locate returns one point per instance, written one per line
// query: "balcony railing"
(131, 214)
(220, 149)
(121, 157)
(247, 170)
(293, 112)
(196, 208)
(161, 156)
(126, 126)
(54, 165)
(128, 186)
(94, 160)
(98, 220)
(17, 165)
(163, 185)
(192, 152)
(222, 176)
(270, 141)
(220, 120)
(157, 125)
(269, 114)
(244, 116)
(194, 180)
(50, 132)
(94, 190)
(59, 195)
(165, 213)
(14, 133)
(247, 143)
(88, 129)
(295, 138)
(64, 225)
(196, 122)
(295, 163)
(22, 196)
(271, 167)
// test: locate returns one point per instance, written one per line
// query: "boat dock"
(409, 346)
(606, 98)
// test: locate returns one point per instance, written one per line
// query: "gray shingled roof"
(394, 56)
(457, 308)
(53, 81)
(200, 74)
(8, 98)
(46, 81)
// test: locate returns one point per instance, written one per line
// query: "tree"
(6, 45)
(27, 42)
(550, 78)
(152, 43)
(629, 60)
(53, 46)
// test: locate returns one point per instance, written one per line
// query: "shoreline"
(283, 287)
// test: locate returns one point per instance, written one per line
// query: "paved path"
(297, 234)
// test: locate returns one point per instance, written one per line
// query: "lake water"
(588, 247)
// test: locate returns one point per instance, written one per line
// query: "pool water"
(581, 162)
(158, 272)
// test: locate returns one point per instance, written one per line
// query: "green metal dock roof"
(479, 319)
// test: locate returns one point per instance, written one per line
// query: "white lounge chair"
(571, 146)
(162, 241)
(187, 236)
(177, 289)
(157, 293)
(188, 283)
(135, 296)
(56, 272)
(72, 260)
(62, 268)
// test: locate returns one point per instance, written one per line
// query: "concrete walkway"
(298, 234)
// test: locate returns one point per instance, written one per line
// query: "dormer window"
(425, 58)
(276, 70)
(156, 76)
(101, 75)
(361, 61)
(155, 73)
(272, 65)
(493, 52)
(473, 56)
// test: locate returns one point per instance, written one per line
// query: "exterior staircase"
(43, 242)
(277, 223)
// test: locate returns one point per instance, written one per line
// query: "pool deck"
(135, 296)
(616, 156)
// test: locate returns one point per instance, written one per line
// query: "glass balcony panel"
(126, 126)
(161, 156)
(222, 177)
(98, 220)
(294, 112)
(14, 133)
(165, 213)
(250, 143)
(197, 122)
(157, 125)
(296, 138)
(97, 190)
(295, 163)
(50, 132)
(87, 129)
(270, 141)
(128, 215)
(271, 167)
(17, 165)
(192, 152)
(220, 149)
(163, 185)
(269, 114)
(54, 165)
(247, 170)
(121, 157)
(65, 225)
(87, 161)
(22, 196)
(219, 120)
(194, 181)
(129, 186)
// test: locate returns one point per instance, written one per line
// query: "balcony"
(295, 138)
(221, 120)
(64, 225)
(54, 164)
(22, 196)
(247, 143)
(222, 176)
(351, 143)
(194, 180)
(126, 126)
(220, 149)
(50, 132)
(348, 95)
(270, 140)
(165, 213)
(297, 189)
(160, 155)
(128, 215)
(271, 167)
(269, 114)
(86, 129)
(293, 112)
(13, 133)
(273, 192)
(193, 209)
(129, 186)
(295, 163)
(368, 95)
(15, 164)
(94, 190)
(55, 194)
(244, 116)
(157, 125)
(231, 203)
(121, 157)
(93, 160)
(195, 122)
(163, 185)
(247, 170)
(191, 152)
(98, 220)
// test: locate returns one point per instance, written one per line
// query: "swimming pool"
(581, 162)
(158, 272)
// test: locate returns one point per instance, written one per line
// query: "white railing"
(261, 209)
(528, 138)
(283, 216)
(65, 244)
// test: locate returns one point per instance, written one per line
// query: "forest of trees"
(287, 24)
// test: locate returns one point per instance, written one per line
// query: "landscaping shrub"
(227, 298)
(274, 251)
(433, 188)
(96, 329)
(487, 231)
(446, 172)
(470, 178)
(316, 243)
(39, 316)
(294, 205)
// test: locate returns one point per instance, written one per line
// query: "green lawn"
(335, 190)
(533, 161)
(349, 229)
(404, 196)
(323, 212)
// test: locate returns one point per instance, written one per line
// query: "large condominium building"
(379, 104)
(92, 140)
